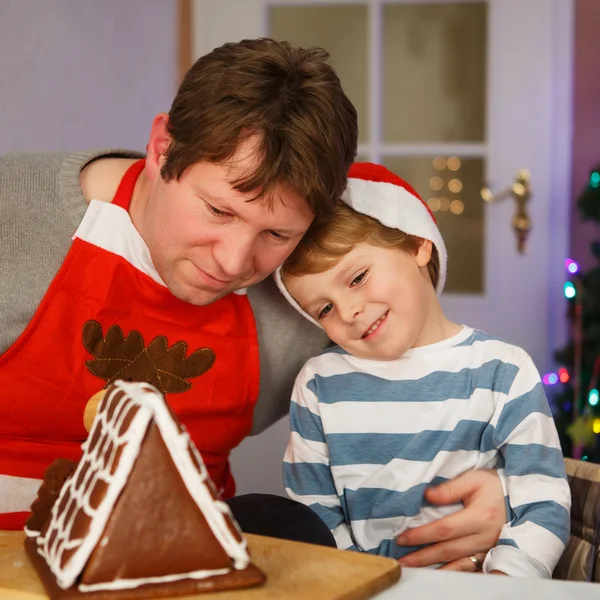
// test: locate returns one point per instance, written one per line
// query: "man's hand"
(471, 531)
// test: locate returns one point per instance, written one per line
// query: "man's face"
(207, 240)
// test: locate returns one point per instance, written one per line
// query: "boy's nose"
(351, 312)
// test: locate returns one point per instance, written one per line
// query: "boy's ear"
(424, 252)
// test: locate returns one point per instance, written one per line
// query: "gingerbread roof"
(83, 508)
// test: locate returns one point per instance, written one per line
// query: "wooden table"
(303, 572)
(295, 571)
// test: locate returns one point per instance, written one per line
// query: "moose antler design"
(120, 357)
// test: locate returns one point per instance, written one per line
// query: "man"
(253, 152)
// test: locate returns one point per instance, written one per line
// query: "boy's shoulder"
(495, 346)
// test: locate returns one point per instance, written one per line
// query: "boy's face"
(375, 303)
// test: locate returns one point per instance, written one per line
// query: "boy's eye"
(358, 278)
(325, 311)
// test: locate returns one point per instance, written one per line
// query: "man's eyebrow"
(286, 231)
(223, 204)
(207, 196)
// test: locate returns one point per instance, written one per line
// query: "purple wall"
(586, 120)
(79, 74)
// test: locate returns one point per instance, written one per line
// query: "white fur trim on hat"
(374, 191)
(290, 298)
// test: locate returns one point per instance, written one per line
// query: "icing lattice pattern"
(80, 514)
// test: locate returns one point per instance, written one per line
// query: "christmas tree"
(577, 382)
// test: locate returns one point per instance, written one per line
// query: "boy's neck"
(437, 326)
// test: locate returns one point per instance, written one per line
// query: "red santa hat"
(375, 191)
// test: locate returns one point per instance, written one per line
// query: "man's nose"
(234, 256)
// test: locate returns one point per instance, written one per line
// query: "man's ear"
(424, 253)
(159, 143)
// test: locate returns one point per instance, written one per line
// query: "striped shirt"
(368, 437)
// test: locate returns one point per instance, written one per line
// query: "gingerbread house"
(139, 514)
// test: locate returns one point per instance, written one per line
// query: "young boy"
(407, 398)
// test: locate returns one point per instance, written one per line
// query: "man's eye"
(215, 211)
(326, 310)
(358, 278)
(278, 236)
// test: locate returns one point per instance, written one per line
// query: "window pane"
(342, 31)
(434, 72)
(451, 187)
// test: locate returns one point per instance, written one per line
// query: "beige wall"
(79, 74)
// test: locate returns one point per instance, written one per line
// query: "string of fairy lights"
(445, 186)
(582, 419)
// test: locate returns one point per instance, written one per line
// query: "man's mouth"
(223, 281)
(212, 280)
(375, 325)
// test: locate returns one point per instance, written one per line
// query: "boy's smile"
(375, 327)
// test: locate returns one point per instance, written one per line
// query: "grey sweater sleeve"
(41, 206)
(286, 341)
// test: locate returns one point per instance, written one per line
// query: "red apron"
(107, 315)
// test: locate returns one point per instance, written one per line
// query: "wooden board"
(295, 571)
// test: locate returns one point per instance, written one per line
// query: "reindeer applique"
(128, 358)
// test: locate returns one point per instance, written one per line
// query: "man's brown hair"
(323, 247)
(291, 97)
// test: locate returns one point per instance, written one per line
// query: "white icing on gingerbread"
(126, 584)
(123, 431)
(30, 532)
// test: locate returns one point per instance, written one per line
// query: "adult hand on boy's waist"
(471, 531)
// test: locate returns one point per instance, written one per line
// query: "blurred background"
(488, 107)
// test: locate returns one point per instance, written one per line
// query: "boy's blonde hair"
(323, 247)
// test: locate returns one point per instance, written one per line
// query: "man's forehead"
(246, 163)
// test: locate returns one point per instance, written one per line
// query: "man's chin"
(199, 297)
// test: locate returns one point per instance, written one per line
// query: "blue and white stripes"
(368, 437)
